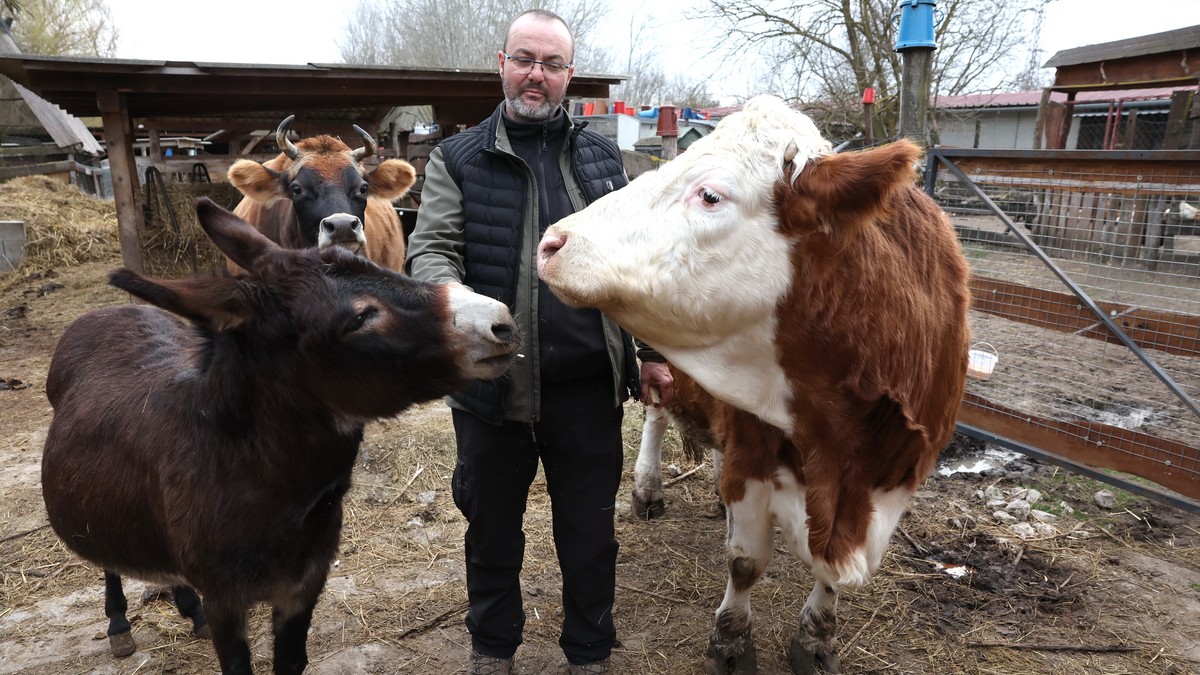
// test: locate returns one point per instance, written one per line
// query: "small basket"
(981, 360)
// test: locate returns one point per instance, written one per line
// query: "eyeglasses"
(548, 67)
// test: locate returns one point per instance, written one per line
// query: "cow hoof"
(731, 655)
(804, 662)
(648, 508)
(122, 644)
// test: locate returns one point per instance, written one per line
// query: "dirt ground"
(1087, 590)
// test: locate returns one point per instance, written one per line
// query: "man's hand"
(658, 387)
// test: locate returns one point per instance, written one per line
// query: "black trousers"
(579, 443)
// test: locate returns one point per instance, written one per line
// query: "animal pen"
(1085, 280)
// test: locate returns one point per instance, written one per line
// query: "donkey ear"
(219, 303)
(853, 183)
(235, 237)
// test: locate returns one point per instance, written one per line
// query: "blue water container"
(916, 19)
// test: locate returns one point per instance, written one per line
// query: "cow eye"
(709, 196)
(363, 189)
(297, 190)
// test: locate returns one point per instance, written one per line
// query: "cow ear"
(233, 236)
(392, 179)
(855, 183)
(219, 303)
(256, 181)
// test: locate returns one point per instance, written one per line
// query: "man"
(489, 194)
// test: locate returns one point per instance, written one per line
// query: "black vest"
(494, 218)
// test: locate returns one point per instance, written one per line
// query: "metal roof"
(1031, 99)
(193, 97)
(1180, 39)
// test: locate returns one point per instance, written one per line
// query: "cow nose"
(341, 227)
(551, 243)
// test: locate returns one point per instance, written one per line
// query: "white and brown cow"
(316, 193)
(823, 299)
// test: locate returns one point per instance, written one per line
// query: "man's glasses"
(525, 65)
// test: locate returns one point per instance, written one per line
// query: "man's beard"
(527, 111)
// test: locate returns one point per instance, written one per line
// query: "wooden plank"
(7, 172)
(1168, 332)
(1169, 463)
(1177, 119)
(118, 130)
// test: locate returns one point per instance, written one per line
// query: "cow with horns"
(317, 194)
(821, 300)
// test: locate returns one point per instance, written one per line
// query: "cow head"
(690, 252)
(327, 187)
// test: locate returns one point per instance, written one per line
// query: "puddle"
(977, 462)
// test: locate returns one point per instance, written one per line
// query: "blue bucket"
(916, 21)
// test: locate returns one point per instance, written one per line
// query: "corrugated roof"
(1157, 43)
(66, 130)
(1033, 98)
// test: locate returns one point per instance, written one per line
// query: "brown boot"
(604, 665)
(482, 664)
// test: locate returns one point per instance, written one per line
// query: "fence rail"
(1086, 280)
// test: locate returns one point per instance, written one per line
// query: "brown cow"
(316, 194)
(207, 442)
(822, 298)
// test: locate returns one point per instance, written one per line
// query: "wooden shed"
(1166, 59)
(183, 98)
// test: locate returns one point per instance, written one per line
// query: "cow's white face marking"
(689, 257)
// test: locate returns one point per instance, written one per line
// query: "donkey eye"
(360, 320)
(709, 196)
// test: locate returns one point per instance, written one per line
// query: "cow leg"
(748, 548)
(648, 499)
(290, 621)
(120, 637)
(189, 606)
(718, 462)
(227, 621)
(813, 649)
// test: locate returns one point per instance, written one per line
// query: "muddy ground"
(1089, 590)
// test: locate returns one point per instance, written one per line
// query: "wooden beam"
(1181, 102)
(1169, 463)
(1168, 332)
(118, 132)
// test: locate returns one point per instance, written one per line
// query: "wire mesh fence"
(1086, 288)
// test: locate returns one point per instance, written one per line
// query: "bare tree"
(647, 82)
(453, 33)
(63, 27)
(829, 51)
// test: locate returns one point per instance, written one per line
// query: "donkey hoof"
(122, 644)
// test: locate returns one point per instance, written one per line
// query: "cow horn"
(367, 149)
(286, 146)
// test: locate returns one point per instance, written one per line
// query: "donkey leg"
(291, 619)
(120, 637)
(189, 606)
(227, 623)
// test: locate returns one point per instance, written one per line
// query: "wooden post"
(1039, 127)
(1181, 102)
(914, 92)
(118, 137)
(155, 150)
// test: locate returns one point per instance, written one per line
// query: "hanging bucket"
(981, 360)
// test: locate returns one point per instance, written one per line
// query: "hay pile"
(175, 247)
(63, 226)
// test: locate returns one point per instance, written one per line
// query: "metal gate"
(1086, 294)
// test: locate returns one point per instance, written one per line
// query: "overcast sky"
(307, 31)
